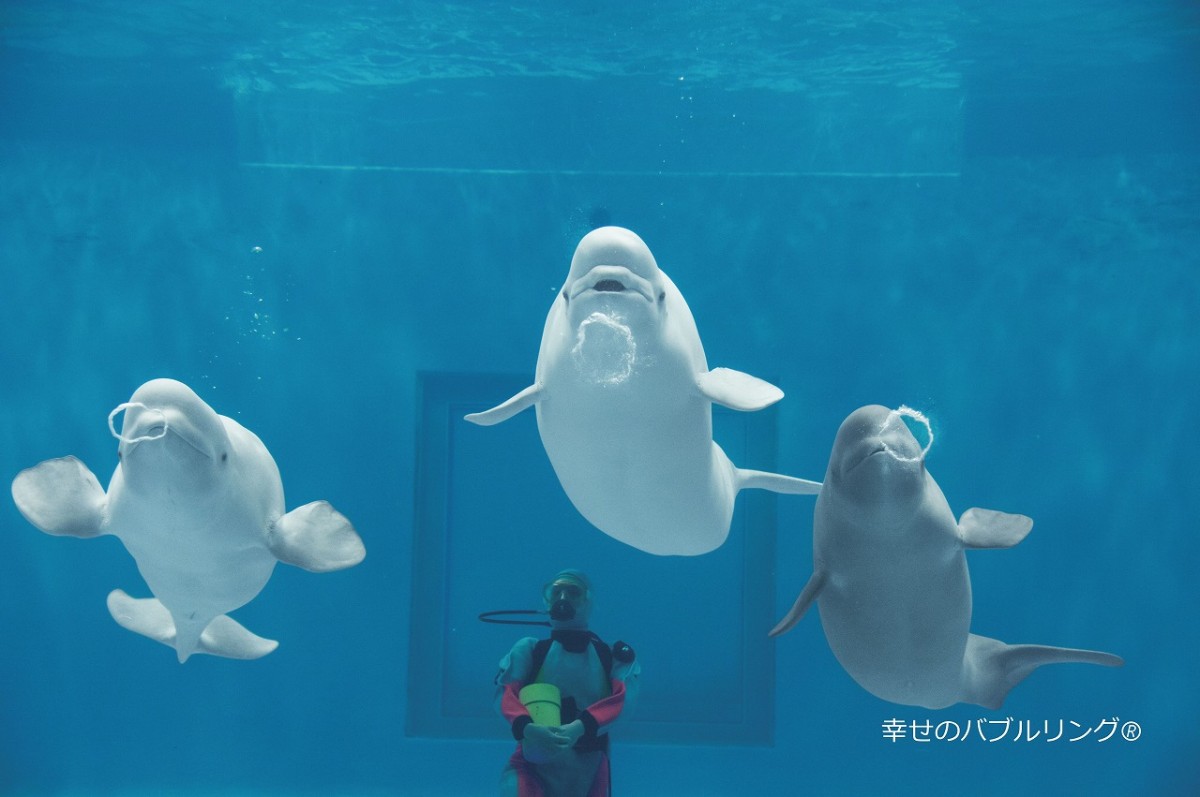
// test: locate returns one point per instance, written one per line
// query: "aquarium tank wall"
(343, 224)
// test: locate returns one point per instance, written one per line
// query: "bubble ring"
(122, 438)
(916, 415)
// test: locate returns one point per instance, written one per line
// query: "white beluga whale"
(198, 502)
(623, 396)
(890, 575)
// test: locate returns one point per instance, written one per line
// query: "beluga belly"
(890, 575)
(623, 396)
(198, 502)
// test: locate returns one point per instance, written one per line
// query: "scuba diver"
(560, 695)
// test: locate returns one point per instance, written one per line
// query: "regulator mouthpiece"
(562, 610)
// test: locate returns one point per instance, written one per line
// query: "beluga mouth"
(612, 280)
(867, 453)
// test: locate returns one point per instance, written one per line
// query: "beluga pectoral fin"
(987, 528)
(316, 537)
(61, 497)
(502, 412)
(737, 390)
(811, 591)
(991, 668)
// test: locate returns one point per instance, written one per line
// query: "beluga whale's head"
(613, 271)
(876, 459)
(614, 303)
(170, 440)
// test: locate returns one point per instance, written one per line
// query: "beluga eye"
(563, 294)
(224, 456)
(662, 296)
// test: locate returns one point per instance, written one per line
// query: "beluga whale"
(197, 501)
(623, 397)
(890, 576)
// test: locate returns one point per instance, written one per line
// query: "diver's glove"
(542, 743)
(572, 732)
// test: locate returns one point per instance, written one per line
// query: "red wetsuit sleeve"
(598, 716)
(514, 710)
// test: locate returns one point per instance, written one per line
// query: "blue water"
(342, 225)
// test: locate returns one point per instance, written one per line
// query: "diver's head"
(568, 598)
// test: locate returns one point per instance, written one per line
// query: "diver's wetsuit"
(594, 691)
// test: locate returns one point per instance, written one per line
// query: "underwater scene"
(688, 397)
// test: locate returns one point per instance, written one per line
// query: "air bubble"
(604, 350)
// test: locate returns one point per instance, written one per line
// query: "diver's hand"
(541, 743)
(572, 732)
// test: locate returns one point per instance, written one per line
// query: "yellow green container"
(544, 703)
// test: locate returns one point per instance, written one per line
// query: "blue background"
(989, 211)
